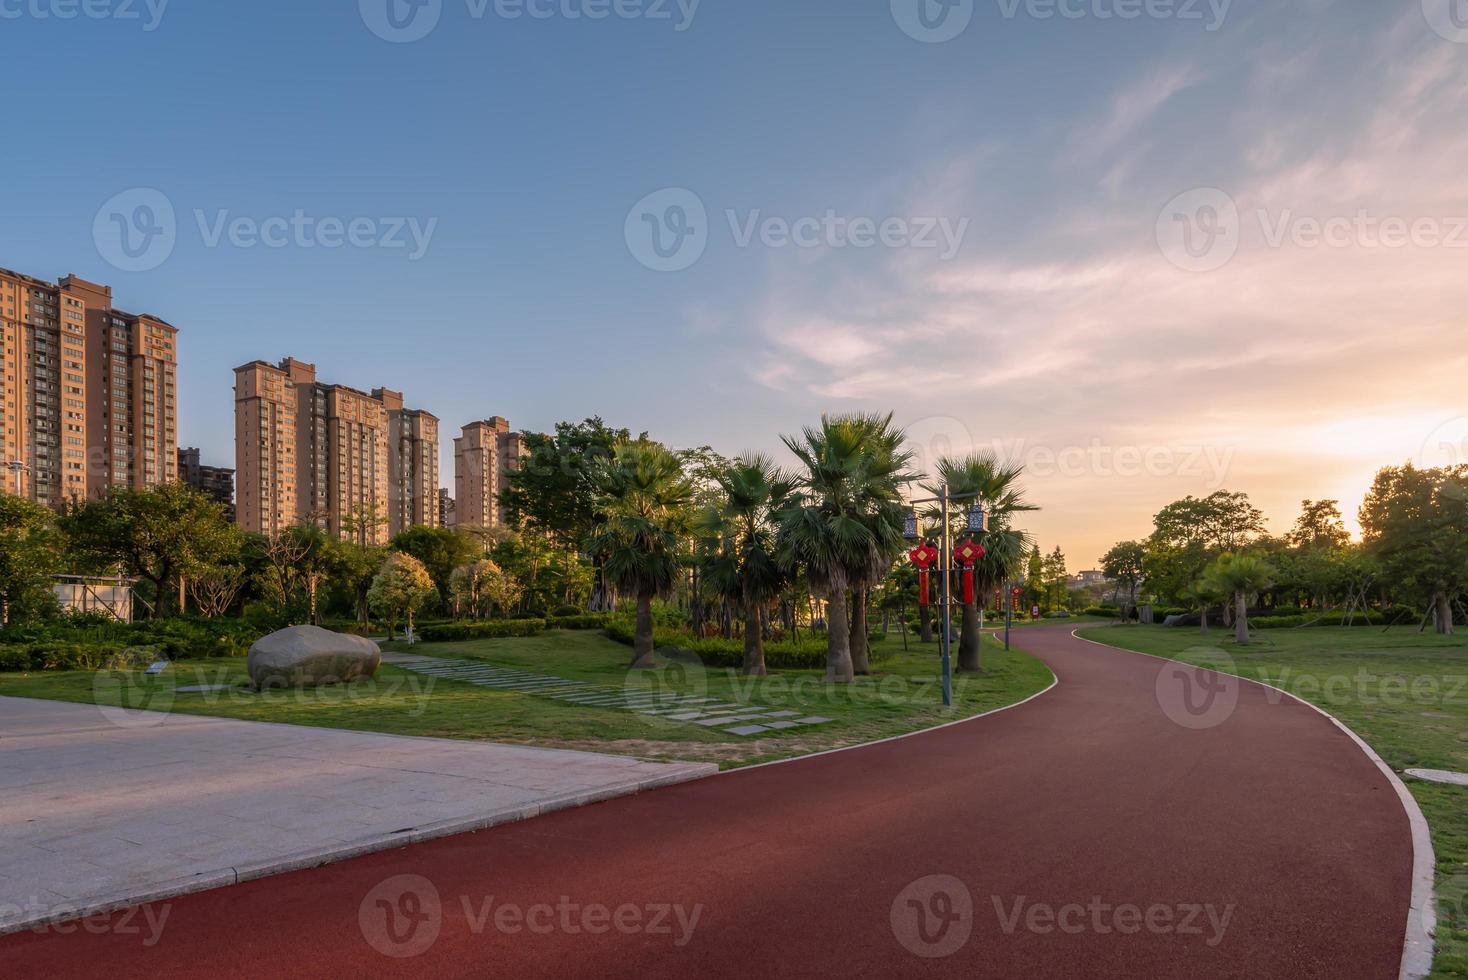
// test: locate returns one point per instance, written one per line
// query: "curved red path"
(1089, 794)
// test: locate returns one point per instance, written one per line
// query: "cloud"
(1074, 327)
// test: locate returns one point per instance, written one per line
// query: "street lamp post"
(975, 520)
(17, 467)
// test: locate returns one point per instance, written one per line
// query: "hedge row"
(807, 654)
(483, 629)
(175, 638)
(51, 655)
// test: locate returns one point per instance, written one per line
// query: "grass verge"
(902, 695)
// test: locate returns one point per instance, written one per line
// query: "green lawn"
(901, 696)
(1406, 694)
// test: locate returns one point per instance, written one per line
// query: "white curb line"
(1417, 943)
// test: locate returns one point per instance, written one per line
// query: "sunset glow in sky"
(1169, 255)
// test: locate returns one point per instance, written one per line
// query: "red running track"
(1084, 834)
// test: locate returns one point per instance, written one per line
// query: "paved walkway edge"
(1417, 942)
(234, 875)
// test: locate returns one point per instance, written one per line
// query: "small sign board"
(157, 667)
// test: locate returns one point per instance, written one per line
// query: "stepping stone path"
(744, 719)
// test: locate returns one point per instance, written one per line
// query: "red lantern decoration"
(968, 555)
(923, 557)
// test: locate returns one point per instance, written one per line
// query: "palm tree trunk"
(642, 640)
(838, 639)
(970, 640)
(860, 651)
(1241, 617)
(754, 643)
(1204, 617)
(925, 624)
(1443, 616)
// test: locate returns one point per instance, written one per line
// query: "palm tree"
(643, 501)
(744, 567)
(1202, 594)
(880, 501)
(1240, 575)
(845, 515)
(1005, 548)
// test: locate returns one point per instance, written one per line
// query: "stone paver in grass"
(671, 707)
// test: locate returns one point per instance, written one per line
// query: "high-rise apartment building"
(216, 481)
(87, 392)
(412, 463)
(358, 465)
(484, 456)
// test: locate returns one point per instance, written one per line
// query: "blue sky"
(1060, 323)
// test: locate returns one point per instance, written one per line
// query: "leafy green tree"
(754, 492)
(1319, 525)
(1057, 578)
(844, 523)
(643, 502)
(440, 549)
(1415, 522)
(997, 484)
(554, 490)
(1189, 533)
(469, 587)
(401, 588)
(1239, 576)
(1034, 577)
(352, 568)
(30, 554)
(157, 534)
(1123, 564)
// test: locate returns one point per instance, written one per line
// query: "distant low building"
(216, 481)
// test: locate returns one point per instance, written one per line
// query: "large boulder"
(309, 656)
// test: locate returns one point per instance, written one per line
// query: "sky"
(1148, 248)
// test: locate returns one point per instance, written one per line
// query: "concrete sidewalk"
(100, 809)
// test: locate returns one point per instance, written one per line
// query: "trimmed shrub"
(808, 654)
(481, 630)
(580, 621)
(561, 611)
